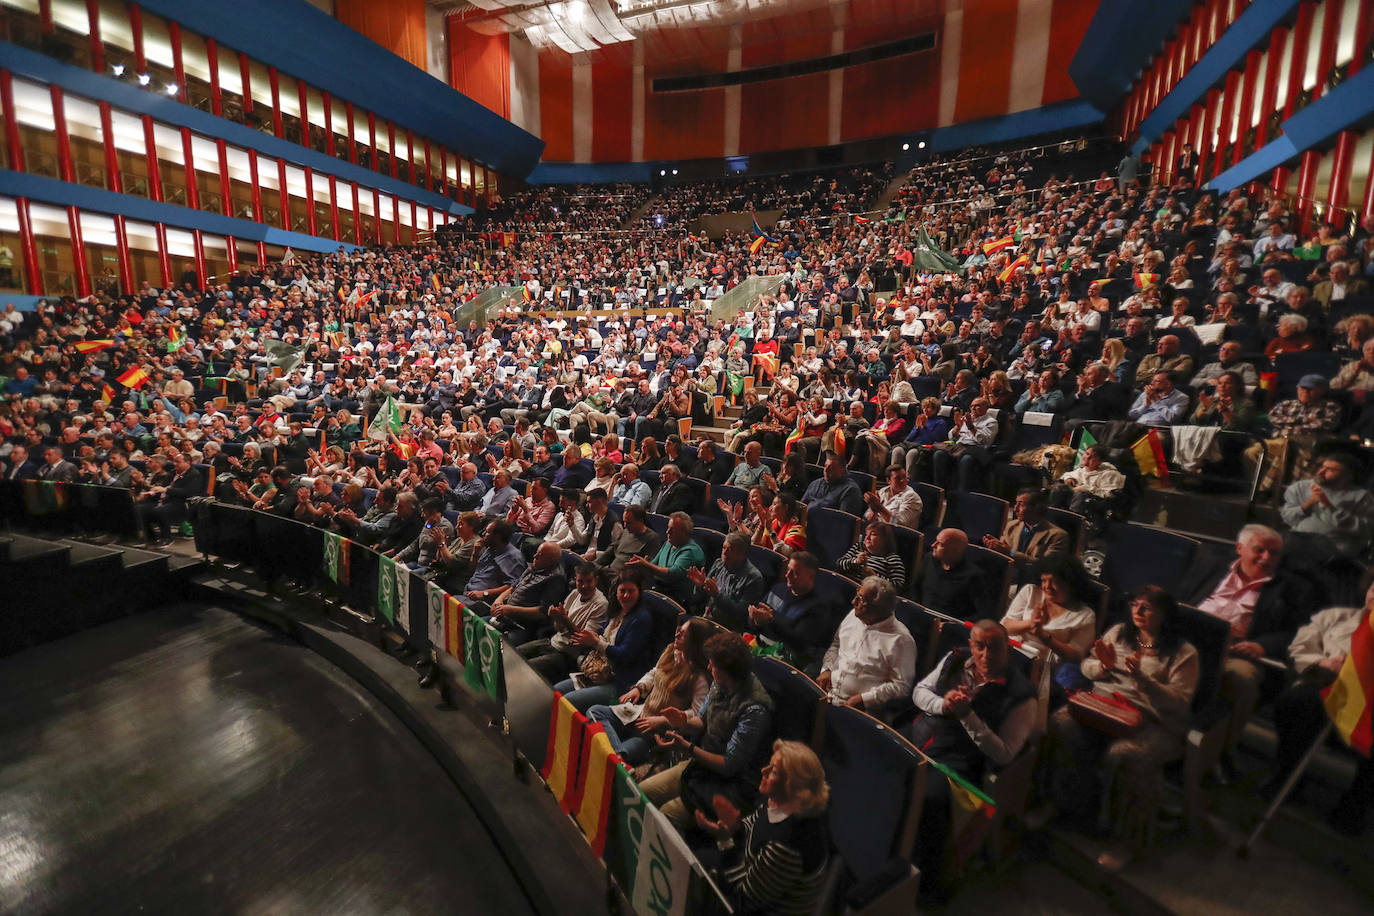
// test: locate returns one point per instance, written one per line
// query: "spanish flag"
(1149, 455)
(792, 439)
(107, 394)
(1145, 281)
(567, 727)
(343, 296)
(508, 240)
(756, 244)
(861, 219)
(996, 245)
(93, 346)
(1348, 700)
(434, 280)
(596, 773)
(362, 300)
(1005, 275)
(526, 294)
(132, 377)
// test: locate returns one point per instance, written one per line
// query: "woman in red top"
(1293, 337)
(868, 451)
(781, 530)
(764, 346)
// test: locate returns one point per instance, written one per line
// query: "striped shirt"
(783, 864)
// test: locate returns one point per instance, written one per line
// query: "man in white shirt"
(872, 659)
(970, 436)
(897, 503)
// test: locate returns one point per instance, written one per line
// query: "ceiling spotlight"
(173, 88)
(921, 145)
(905, 147)
(674, 171)
(662, 172)
(117, 69)
(144, 79)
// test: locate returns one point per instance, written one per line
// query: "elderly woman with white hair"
(1292, 334)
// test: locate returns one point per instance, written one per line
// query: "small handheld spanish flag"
(861, 219)
(1011, 268)
(107, 394)
(434, 279)
(93, 346)
(756, 244)
(132, 377)
(1145, 281)
(996, 245)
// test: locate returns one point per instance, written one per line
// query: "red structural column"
(11, 122)
(429, 173)
(328, 124)
(274, 83)
(226, 199)
(357, 216)
(154, 169)
(126, 264)
(333, 208)
(64, 142)
(1247, 104)
(488, 183)
(1270, 93)
(1326, 51)
(113, 180)
(246, 77)
(1307, 184)
(212, 57)
(1367, 208)
(32, 271)
(1227, 122)
(377, 216)
(1364, 33)
(198, 244)
(1205, 137)
(136, 27)
(414, 220)
(45, 16)
(83, 273)
(93, 26)
(178, 63)
(310, 227)
(304, 101)
(1342, 160)
(372, 141)
(352, 140)
(283, 194)
(395, 221)
(188, 156)
(262, 252)
(410, 157)
(254, 185)
(164, 257)
(443, 170)
(231, 253)
(391, 145)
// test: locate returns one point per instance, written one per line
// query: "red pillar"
(83, 273)
(429, 175)
(391, 145)
(395, 221)
(357, 216)
(1246, 104)
(154, 169)
(328, 124)
(192, 192)
(199, 243)
(11, 122)
(164, 257)
(93, 26)
(212, 56)
(377, 215)
(1302, 35)
(352, 140)
(1364, 33)
(64, 142)
(126, 264)
(231, 253)
(310, 202)
(333, 208)
(136, 27)
(304, 98)
(256, 187)
(262, 253)
(1227, 122)
(225, 198)
(443, 170)
(372, 140)
(1326, 51)
(1204, 140)
(1367, 208)
(245, 77)
(1269, 95)
(1307, 183)
(178, 64)
(284, 194)
(113, 181)
(274, 83)
(1338, 195)
(32, 271)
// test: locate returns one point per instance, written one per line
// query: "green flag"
(482, 657)
(282, 354)
(1085, 442)
(402, 590)
(387, 420)
(735, 383)
(336, 555)
(386, 588)
(926, 255)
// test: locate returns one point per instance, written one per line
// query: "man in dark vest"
(976, 711)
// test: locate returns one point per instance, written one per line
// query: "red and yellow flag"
(1348, 700)
(453, 626)
(757, 243)
(93, 346)
(795, 435)
(1146, 280)
(597, 773)
(996, 245)
(132, 377)
(107, 394)
(1005, 275)
(434, 280)
(1149, 455)
(861, 219)
(566, 729)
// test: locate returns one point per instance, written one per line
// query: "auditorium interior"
(673, 457)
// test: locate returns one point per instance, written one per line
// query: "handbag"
(595, 668)
(1112, 714)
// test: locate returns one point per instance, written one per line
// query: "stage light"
(117, 69)
(144, 79)
(921, 145)
(674, 171)
(905, 147)
(173, 88)
(662, 172)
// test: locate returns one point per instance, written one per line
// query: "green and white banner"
(482, 657)
(645, 854)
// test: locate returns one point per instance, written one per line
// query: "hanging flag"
(132, 377)
(403, 575)
(992, 247)
(508, 240)
(387, 420)
(445, 621)
(1086, 440)
(756, 244)
(525, 293)
(1011, 268)
(336, 554)
(769, 362)
(482, 657)
(1149, 455)
(973, 811)
(662, 867)
(1348, 699)
(176, 338)
(596, 772)
(793, 437)
(93, 346)
(1145, 280)
(567, 727)
(386, 588)
(43, 497)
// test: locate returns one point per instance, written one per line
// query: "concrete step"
(714, 433)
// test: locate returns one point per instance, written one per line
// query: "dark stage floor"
(186, 761)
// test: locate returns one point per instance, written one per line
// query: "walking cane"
(1244, 850)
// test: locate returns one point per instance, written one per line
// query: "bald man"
(952, 583)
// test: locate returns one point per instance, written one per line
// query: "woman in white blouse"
(1054, 617)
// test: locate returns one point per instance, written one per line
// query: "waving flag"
(387, 420)
(133, 377)
(756, 244)
(107, 394)
(1145, 280)
(176, 338)
(482, 657)
(1149, 455)
(567, 727)
(1006, 273)
(992, 247)
(596, 772)
(93, 346)
(1348, 699)
(792, 439)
